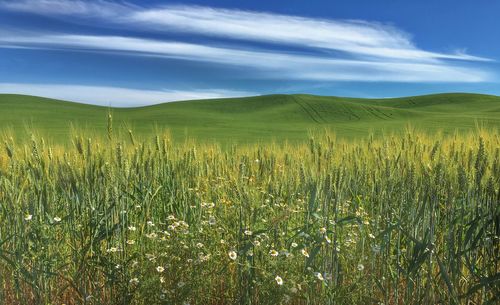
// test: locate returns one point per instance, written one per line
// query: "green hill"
(251, 119)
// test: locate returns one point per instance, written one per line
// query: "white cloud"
(357, 38)
(272, 64)
(333, 50)
(354, 37)
(114, 96)
(69, 7)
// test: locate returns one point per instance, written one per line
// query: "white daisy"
(279, 280)
(232, 255)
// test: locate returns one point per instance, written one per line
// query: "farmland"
(412, 218)
(260, 119)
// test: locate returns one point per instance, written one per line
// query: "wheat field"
(404, 219)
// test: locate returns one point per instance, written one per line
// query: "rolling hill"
(251, 119)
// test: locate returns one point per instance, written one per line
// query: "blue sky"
(142, 52)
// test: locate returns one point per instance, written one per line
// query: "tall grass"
(398, 220)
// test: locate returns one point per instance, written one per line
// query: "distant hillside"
(251, 119)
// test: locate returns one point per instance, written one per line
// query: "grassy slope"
(255, 118)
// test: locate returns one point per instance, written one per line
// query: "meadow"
(250, 120)
(409, 218)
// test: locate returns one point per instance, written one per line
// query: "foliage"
(407, 219)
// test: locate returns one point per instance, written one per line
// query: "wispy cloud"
(98, 8)
(114, 96)
(273, 64)
(355, 37)
(333, 50)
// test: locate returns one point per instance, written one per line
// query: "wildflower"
(279, 280)
(319, 276)
(256, 243)
(322, 230)
(294, 245)
(199, 245)
(28, 217)
(134, 281)
(112, 250)
(160, 269)
(132, 228)
(273, 253)
(130, 242)
(208, 205)
(57, 219)
(233, 255)
(248, 232)
(371, 236)
(361, 267)
(152, 235)
(150, 223)
(304, 252)
(171, 217)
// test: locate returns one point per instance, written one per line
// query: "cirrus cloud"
(115, 96)
(290, 47)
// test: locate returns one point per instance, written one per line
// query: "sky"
(135, 53)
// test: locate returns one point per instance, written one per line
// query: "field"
(403, 219)
(255, 119)
(288, 199)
